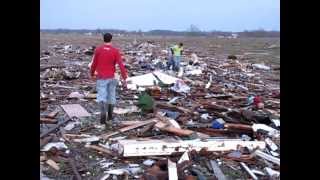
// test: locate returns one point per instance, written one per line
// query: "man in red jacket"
(102, 69)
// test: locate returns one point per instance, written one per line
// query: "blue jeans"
(170, 62)
(176, 60)
(106, 89)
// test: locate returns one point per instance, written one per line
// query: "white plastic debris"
(258, 172)
(271, 172)
(180, 87)
(129, 109)
(149, 79)
(86, 140)
(134, 170)
(58, 145)
(275, 154)
(105, 177)
(67, 47)
(276, 122)
(180, 72)
(117, 171)
(272, 132)
(149, 162)
(106, 164)
(271, 144)
(205, 116)
(71, 125)
(195, 72)
(184, 157)
(173, 100)
(261, 66)
(194, 58)
(210, 81)
(76, 95)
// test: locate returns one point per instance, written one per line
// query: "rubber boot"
(110, 112)
(103, 112)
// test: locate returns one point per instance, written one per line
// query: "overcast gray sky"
(225, 15)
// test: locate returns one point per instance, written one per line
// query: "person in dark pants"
(102, 70)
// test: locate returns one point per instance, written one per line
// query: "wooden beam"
(100, 149)
(134, 126)
(167, 147)
(217, 171)
(48, 121)
(169, 128)
(249, 171)
(267, 157)
(53, 114)
(172, 170)
(53, 164)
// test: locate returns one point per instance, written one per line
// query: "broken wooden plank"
(91, 96)
(100, 149)
(128, 123)
(217, 171)
(169, 128)
(43, 158)
(134, 126)
(235, 126)
(172, 170)
(54, 128)
(75, 110)
(53, 164)
(167, 147)
(173, 107)
(48, 121)
(170, 125)
(45, 141)
(249, 171)
(53, 114)
(146, 129)
(267, 157)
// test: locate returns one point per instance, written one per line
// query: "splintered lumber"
(42, 158)
(48, 121)
(54, 128)
(217, 171)
(167, 147)
(74, 168)
(213, 132)
(267, 157)
(45, 141)
(53, 114)
(248, 171)
(172, 170)
(75, 110)
(100, 149)
(134, 126)
(129, 123)
(53, 164)
(215, 107)
(240, 127)
(177, 108)
(169, 128)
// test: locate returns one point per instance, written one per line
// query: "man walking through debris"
(177, 52)
(104, 60)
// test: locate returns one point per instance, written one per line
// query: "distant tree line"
(192, 31)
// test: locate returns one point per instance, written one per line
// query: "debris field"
(217, 118)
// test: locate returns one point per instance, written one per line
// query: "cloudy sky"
(225, 15)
